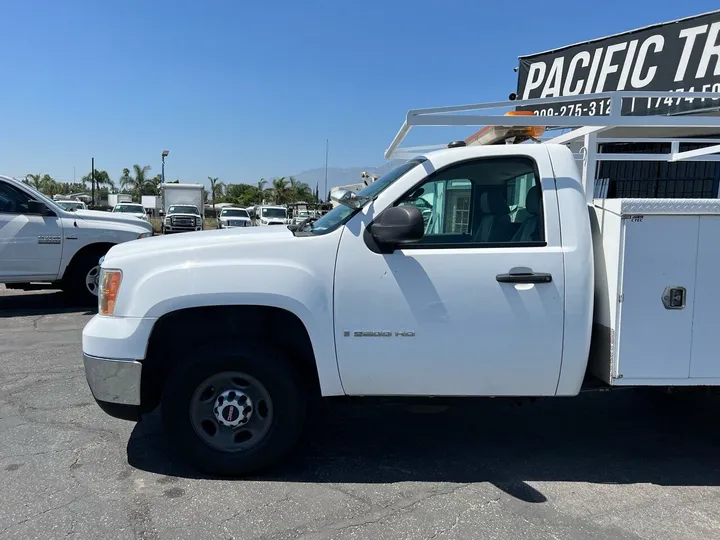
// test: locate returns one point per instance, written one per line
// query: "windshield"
(129, 208)
(184, 209)
(340, 214)
(234, 212)
(274, 212)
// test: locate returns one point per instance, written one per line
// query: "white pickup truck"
(40, 241)
(466, 271)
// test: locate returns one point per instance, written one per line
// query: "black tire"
(74, 282)
(267, 365)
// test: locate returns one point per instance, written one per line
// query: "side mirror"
(37, 207)
(398, 225)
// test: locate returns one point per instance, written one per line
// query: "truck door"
(30, 244)
(449, 315)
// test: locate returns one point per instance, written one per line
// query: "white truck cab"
(131, 209)
(182, 218)
(231, 217)
(472, 270)
(270, 215)
(40, 241)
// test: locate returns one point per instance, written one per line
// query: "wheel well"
(100, 247)
(179, 329)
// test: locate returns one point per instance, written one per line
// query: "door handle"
(524, 278)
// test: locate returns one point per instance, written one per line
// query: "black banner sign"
(681, 56)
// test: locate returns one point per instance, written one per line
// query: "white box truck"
(469, 270)
(116, 198)
(183, 207)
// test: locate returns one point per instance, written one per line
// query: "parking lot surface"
(600, 466)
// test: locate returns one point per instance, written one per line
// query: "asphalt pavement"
(600, 466)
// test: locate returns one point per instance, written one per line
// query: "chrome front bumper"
(112, 380)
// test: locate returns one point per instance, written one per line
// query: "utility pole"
(92, 180)
(327, 151)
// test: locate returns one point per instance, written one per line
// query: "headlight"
(109, 287)
(144, 235)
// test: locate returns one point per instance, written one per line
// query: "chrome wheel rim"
(92, 280)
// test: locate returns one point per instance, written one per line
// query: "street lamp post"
(164, 155)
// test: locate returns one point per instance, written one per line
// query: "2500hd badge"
(347, 333)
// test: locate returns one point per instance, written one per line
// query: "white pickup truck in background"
(42, 242)
(482, 270)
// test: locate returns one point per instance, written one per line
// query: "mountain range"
(339, 176)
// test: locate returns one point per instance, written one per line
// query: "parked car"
(233, 217)
(131, 209)
(72, 205)
(42, 242)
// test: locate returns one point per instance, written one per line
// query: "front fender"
(306, 292)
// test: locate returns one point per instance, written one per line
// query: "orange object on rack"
(499, 134)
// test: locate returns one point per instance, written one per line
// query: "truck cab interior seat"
(495, 225)
(529, 230)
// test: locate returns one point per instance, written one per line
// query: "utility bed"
(656, 291)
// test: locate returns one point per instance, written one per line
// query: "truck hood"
(161, 245)
(98, 215)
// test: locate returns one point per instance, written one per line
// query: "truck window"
(486, 202)
(12, 200)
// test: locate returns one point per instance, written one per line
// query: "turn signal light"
(110, 286)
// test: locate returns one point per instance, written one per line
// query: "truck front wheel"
(232, 413)
(82, 282)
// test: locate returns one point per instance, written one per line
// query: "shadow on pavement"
(38, 303)
(622, 437)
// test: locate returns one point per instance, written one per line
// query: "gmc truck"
(473, 270)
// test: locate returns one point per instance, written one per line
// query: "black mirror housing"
(398, 225)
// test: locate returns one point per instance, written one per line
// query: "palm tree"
(102, 179)
(135, 184)
(43, 183)
(261, 190)
(280, 187)
(34, 180)
(216, 189)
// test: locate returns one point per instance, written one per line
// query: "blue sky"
(240, 89)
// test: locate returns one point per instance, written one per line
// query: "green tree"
(216, 189)
(242, 194)
(261, 191)
(33, 180)
(43, 183)
(135, 184)
(280, 190)
(103, 183)
(152, 186)
(299, 191)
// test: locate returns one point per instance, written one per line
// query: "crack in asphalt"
(375, 515)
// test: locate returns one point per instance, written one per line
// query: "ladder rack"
(585, 124)
(584, 138)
